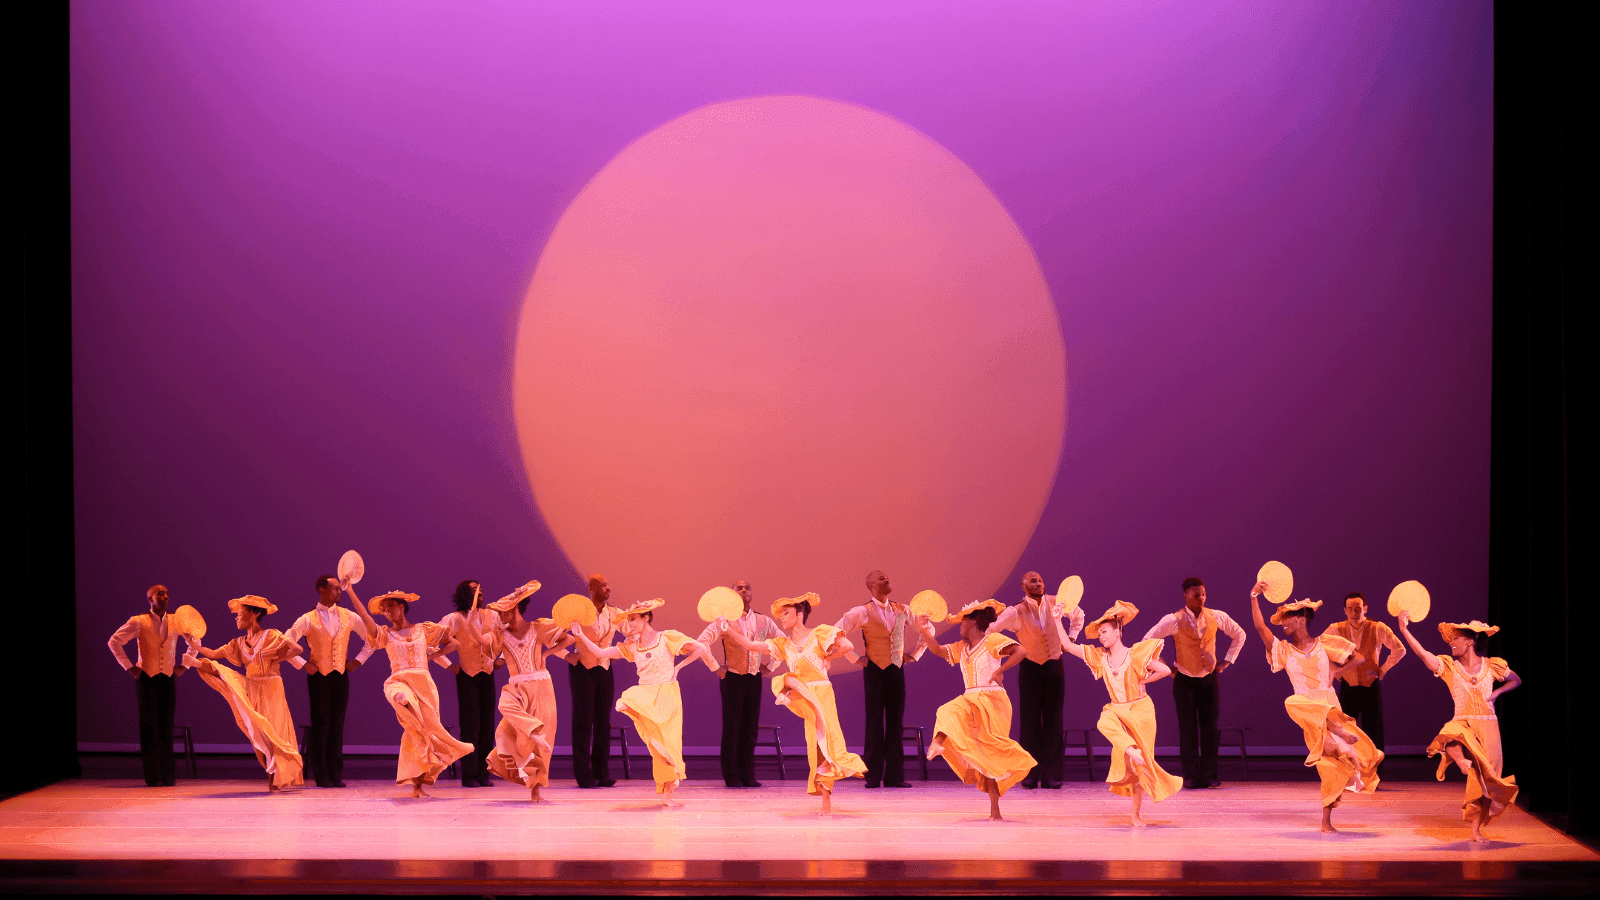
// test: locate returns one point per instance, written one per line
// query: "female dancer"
(528, 702)
(1344, 757)
(1129, 720)
(1472, 739)
(654, 704)
(972, 732)
(805, 689)
(426, 748)
(256, 698)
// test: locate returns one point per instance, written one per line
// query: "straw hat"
(1280, 614)
(1122, 611)
(644, 606)
(1452, 630)
(510, 601)
(375, 605)
(239, 603)
(973, 607)
(808, 597)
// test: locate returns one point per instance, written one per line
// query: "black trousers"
(157, 702)
(476, 706)
(741, 716)
(1365, 705)
(330, 698)
(594, 692)
(1044, 692)
(1198, 700)
(884, 747)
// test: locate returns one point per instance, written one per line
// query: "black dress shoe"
(609, 782)
(752, 783)
(1028, 783)
(733, 783)
(1214, 784)
(897, 784)
(172, 783)
(587, 785)
(1189, 784)
(1052, 785)
(872, 784)
(336, 784)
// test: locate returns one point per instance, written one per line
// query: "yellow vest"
(1192, 648)
(881, 642)
(328, 651)
(155, 656)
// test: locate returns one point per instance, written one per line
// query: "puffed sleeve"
(1338, 648)
(950, 653)
(995, 643)
(1144, 652)
(626, 649)
(380, 638)
(825, 636)
(231, 652)
(1447, 668)
(1095, 659)
(1278, 654)
(1499, 668)
(276, 647)
(677, 641)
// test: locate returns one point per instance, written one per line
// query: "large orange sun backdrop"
(790, 340)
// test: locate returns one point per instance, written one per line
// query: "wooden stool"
(183, 734)
(1244, 754)
(777, 746)
(619, 733)
(906, 734)
(1088, 749)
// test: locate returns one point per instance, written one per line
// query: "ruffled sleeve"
(825, 636)
(1095, 659)
(1499, 668)
(380, 638)
(231, 651)
(1337, 648)
(1278, 654)
(276, 647)
(1144, 652)
(780, 644)
(435, 634)
(677, 641)
(950, 653)
(1447, 668)
(995, 643)
(626, 649)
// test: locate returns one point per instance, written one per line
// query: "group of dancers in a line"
(971, 732)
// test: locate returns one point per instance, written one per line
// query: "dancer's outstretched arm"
(1073, 647)
(612, 652)
(744, 642)
(361, 610)
(1255, 614)
(1428, 659)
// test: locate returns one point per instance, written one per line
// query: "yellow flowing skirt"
(1134, 725)
(426, 748)
(1313, 713)
(825, 750)
(975, 730)
(657, 714)
(262, 712)
(527, 708)
(1480, 741)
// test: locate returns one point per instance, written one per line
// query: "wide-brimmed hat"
(239, 603)
(808, 597)
(644, 606)
(1452, 630)
(511, 600)
(973, 607)
(375, 605)
(1281, 612)
(1122, 611)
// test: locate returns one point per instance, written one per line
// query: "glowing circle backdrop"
(791, 340)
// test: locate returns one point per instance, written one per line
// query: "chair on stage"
(1088, 749)
(1244, 754)
(181, 733)
(915, 731)
(777, 746)
(619, 733)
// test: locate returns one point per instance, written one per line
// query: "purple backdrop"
(302, 234)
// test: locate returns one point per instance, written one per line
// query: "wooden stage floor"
(231, 837)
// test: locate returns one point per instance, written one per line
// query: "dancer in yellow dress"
(256, 697)
(1344, 757)
(973, 731)
(1129, 720)
(654, 704)
(1471, 739)
(522, 749)
(426, 748)
(806, 690)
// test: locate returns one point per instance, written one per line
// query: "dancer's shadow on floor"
(1340, 835)
(1470, 847)
(814, 816)
(245, 795)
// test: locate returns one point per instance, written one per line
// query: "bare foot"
(1327, 821)
(827, 803)
(1478, 838)
(936, 748)
(534, 795)
(1137, 822)
(417, 791)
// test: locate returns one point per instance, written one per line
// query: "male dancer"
(740, 671)
(474, 671)
(884, 628)
(153, 675)
(1193, 630)
(594, 692)
(326, 629)
(1360, 693)
(1036, 621)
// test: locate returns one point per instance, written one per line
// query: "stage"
(230, 836)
